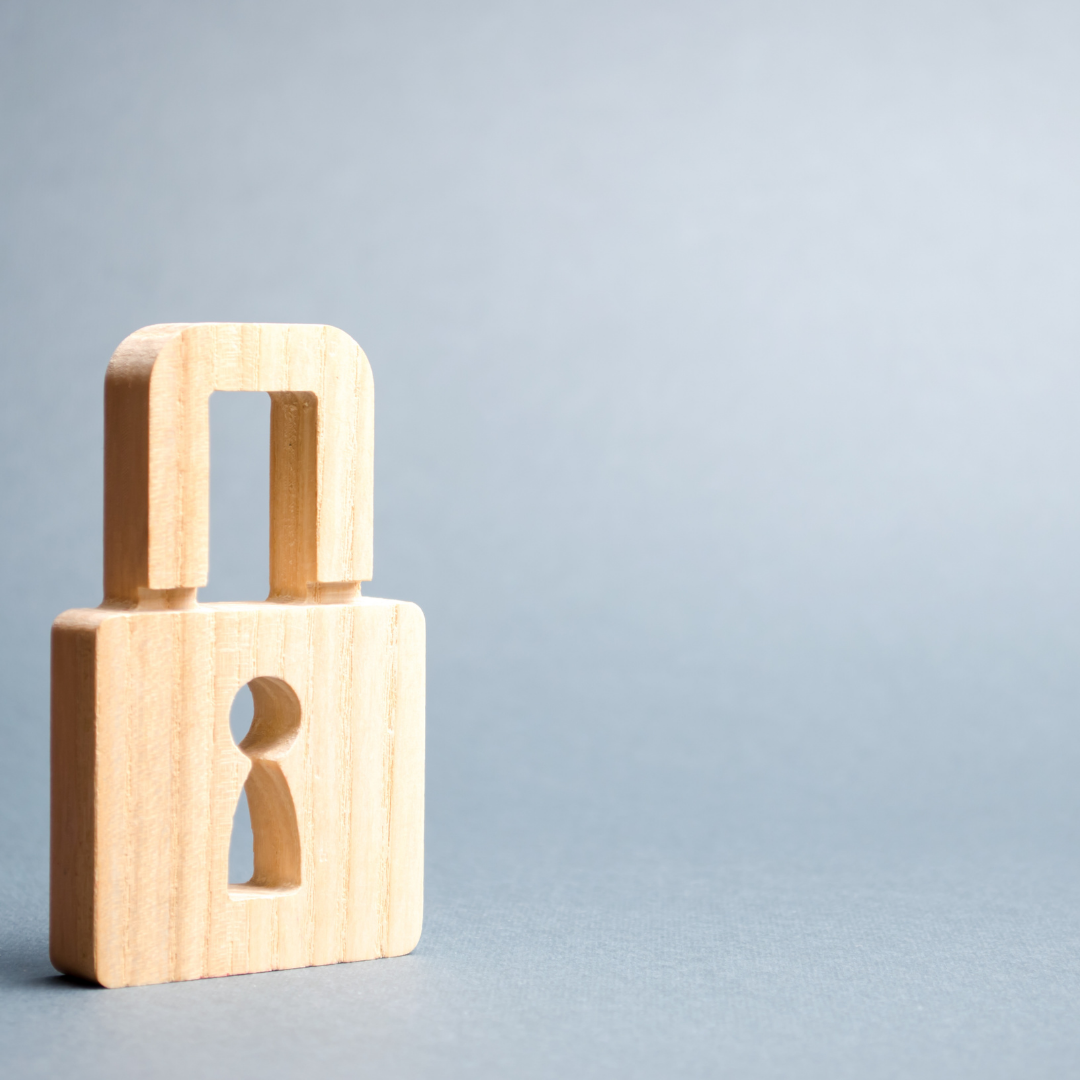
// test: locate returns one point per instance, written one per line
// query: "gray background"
(727, 432)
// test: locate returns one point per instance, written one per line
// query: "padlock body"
(146, 778)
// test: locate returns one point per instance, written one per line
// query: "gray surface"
(727, 402)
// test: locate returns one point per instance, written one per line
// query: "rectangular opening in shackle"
(239, 496)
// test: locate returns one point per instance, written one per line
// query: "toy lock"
(145, 774)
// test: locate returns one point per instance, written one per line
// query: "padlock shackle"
(157, 455)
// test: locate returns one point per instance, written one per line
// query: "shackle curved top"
(157, 454)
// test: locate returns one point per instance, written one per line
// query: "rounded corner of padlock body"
(408, 939)
(76, 619)
(405, 609)
(414, 611)
(70, 955)
(106, 979)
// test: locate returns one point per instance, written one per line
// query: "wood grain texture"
(146, 775)
(157, 453)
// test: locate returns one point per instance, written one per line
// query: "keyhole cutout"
(275, 850)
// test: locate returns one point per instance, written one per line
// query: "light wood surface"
(146, 775)
(157, 454)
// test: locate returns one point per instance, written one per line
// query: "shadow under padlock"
(145, 774)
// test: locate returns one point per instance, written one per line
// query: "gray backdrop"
(727, 432)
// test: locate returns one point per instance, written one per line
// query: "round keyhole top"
(276, 720)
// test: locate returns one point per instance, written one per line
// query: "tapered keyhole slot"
(275, 837)
(241, 849)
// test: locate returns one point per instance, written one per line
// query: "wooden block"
(145, 773)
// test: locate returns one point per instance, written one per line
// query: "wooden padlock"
(145, 773)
